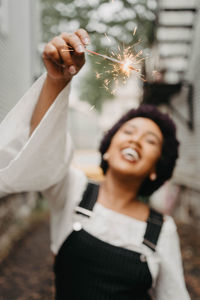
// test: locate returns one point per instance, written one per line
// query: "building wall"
(19, 28)
(19, 65)
(187, 174)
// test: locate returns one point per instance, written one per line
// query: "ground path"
(27, 273)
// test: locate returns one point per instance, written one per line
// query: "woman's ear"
(106, 156)
(153, 176)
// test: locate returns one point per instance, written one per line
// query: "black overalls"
(87, 268)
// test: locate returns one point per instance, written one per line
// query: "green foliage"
(116, 18)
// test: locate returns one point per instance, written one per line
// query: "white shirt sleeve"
(40, 161)
(170, 282)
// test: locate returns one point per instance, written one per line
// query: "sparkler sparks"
(107, 37)
(98, 75)
(123, 63)
(135, 29)
(92, 107)
(127, 63)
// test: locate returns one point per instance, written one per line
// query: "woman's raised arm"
(34, 161)
(63, 58)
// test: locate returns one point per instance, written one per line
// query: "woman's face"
(135, 148)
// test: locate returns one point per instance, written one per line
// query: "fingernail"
(72, 70)
(86, 41)
(80, 49)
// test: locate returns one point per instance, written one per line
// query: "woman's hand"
(64, 56)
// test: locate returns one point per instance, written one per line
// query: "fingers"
(59, 52)
(74, 41)
(64, 52)
(51, 52)
(67, 50)
(73, 56)
(83, 35)
(53, 49)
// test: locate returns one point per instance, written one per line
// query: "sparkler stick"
(113, 60)
(123, 62)
(128, 65)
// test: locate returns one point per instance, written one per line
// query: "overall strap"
(89, 199)
(154, 225)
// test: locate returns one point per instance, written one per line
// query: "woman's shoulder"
(76, 181)
(169, 225)
(168, 233)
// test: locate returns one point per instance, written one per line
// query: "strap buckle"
(84, 211)
(149, 244)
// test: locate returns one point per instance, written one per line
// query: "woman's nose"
(136, 138)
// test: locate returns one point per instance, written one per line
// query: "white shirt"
(42, 163)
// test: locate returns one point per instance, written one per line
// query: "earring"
(106, 156)
(153, 176)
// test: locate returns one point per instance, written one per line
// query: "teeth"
(130, 154)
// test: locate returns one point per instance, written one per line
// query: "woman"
(108, 244)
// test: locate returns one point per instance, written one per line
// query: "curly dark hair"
(167, 161)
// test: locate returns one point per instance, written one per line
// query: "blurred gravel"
(190, 246)
(27, 273)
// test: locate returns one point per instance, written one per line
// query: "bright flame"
(126, 66)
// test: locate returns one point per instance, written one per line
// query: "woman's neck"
(118, 191)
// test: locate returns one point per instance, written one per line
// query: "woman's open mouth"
(130, 154)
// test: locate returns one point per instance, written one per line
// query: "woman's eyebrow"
(130, 125)
(148, 132)
(155, 135)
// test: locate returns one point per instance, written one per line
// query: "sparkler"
(125, 64)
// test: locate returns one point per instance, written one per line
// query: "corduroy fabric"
(87, 268)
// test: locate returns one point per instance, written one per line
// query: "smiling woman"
(157, 132)
(108, 245)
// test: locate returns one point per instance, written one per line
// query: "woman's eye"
(126, 131)
(151, 141)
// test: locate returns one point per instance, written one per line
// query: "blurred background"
(166, 35)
